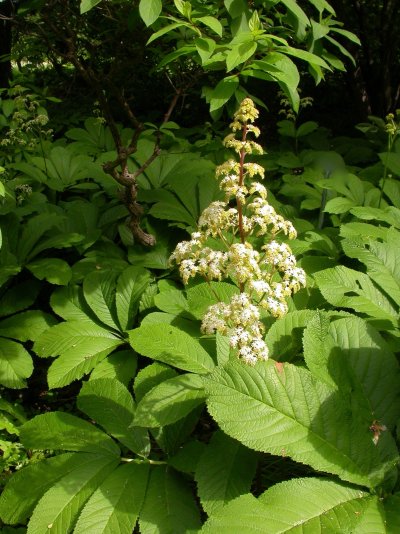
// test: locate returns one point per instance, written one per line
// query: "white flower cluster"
(266, 278)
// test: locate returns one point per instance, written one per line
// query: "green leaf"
(282, 409)
(313, 59)
(391, 160)
(205, 47)
(339, 205)
(240, 54)
(223, 349)
(169, 506)
(202, 296)
(121, 365)
(225, 470)
(381, 259)
(317, 505)
(318, 346)
(87, 5)
(212, 23)
(19, 297)
(322, 5)
(372, 369)
(150, 376)
(26, 326)
(187, 457)
(284, 337)
(150, 10)
(392, 506)
(16, 504)
(346, 288)
(170, 401)
(130, 286)
(172, 301)
(284, 71)
(53, 270)
(15, 364)
(61, 430)
(114, 507)
(164, 30)
(223, 92)
(109, 404)
(168, 344)
(294, 8)
(99, 290)
(235, 8)
(69, 303)
(245, 514)
(58, 510)
(81, 346)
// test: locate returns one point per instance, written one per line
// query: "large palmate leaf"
(316, 505)
(99, 291)
(110, 404)
(121, 365)
(168, 344)
(15, 364)
(26, 326)
(169, 505)
(381, 259)
(61, 504)
(225, 470)
(202, 296)
(17, 504)
(170, 401)
(284, 337)
(131, 284)
(284, 410)
(351, 353)
(80, 346)
(114, 507)
(69, 303)
(346, 288)
(61, 430)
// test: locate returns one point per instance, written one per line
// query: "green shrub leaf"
(60, 430)
(17, 504)
(244, 514)
(284, 336)
(346, 288)
(169, 505)
(381, 259)
(315, 506)
(282, 409)
(109, 403)
(170, 401)
(168, 344)
(114, 507)
(99, 291)
(26, 326)
(54, 270)
(130, 286)
(81, 345)
(150, 10)
(121, 365)
(225, 470)
(203, 295)
(59, 508)
(15, 364)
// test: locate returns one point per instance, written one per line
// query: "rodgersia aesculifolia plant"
(221, 249)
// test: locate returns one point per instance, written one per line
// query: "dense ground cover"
(197, 327)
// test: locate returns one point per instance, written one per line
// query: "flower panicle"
(266, 278)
